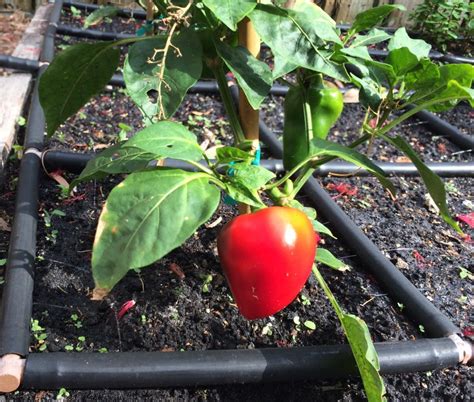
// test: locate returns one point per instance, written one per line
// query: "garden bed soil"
(175, 313)
(183, 302)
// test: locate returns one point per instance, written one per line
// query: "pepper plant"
(156, 208)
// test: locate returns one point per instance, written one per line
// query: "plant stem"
(303, 177)
(228, 104)
(314, 163)
(200, 166)
(415, 110)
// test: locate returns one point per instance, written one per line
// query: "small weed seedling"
(63, 393)
(76, 321)
(39, 335)
(51, 234)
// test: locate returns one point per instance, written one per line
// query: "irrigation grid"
(443, 347)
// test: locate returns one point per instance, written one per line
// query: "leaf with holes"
(142, 69)
(74, 76)
(145, 217)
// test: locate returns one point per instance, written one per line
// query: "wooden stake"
(11, 372)
(149, 15)
(249, 117)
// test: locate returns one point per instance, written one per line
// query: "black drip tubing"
(76, 162)
(438, 126)
(19, 63)
(131, 370)
(17, 298)
(92, 34)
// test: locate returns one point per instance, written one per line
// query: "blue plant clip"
(256, 159)
(228, 200)
(145, 28)
(231, 170)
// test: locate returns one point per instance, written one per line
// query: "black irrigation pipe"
(76, 162)
(213, 367)
(92, 34)
(17, 297)
(154, 369)
(439, 126)
(19, 63)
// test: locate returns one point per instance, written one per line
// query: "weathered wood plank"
(15, 87)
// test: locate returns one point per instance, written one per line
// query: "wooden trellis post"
(249, 117)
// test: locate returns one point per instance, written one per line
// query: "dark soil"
(174, 313)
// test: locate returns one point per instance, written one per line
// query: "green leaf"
(232, 154)
(325, 257)
(321, 228)
(243, 194)
(417, 47)
(253, 76)
(308, 211)
(368, 19)
(114, 160)
(299, 36)
(306, 13)
(282, 67)
(74, 76)
(432, 181)
(365, 356)
(373, 36)
(361, 345)
(424, 78)
(167, 139)
(230, 12)
(381, 73)
(454, 84)
(251, 176)
(360, 52)
(182, 69)
(321, 147)
(402, 60)
(369, 95)
(98, 15)
(145, 217)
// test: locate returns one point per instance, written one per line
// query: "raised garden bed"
(187, 316)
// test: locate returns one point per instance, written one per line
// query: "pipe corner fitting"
(464, 347)
(12, 368)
